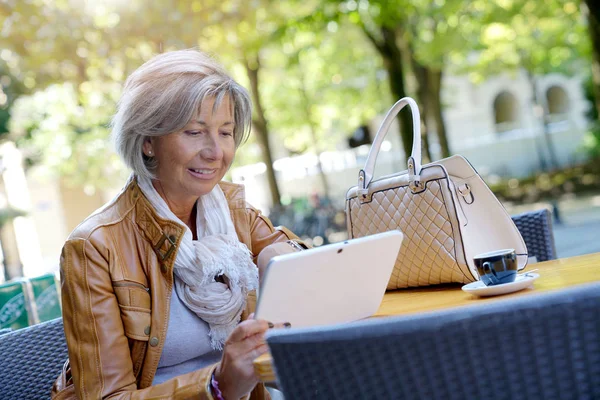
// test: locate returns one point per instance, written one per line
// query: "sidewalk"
(579, 230)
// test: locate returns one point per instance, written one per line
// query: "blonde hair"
(164, 94)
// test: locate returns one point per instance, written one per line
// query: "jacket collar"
(235, 194)
(165, 235)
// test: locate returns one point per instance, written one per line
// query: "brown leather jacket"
(117, 278)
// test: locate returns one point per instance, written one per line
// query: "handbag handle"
(414, 161)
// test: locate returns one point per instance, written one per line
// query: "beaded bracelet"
(215, 388)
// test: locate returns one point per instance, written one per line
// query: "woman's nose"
(211, 150)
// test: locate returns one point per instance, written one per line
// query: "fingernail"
(287, 325)
(271, 325)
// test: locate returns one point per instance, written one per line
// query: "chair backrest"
(536, 229)
(31, 359)
(542, 346)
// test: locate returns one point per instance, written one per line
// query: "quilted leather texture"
(427, 255)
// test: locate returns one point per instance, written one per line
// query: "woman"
(155, 283)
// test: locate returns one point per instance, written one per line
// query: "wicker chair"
(31, 360)
(542, 346)
(536, 229)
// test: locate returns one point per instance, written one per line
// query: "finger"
(248, 328)
(251, 316)
(254, 353)
(252, 342)
(257, 352)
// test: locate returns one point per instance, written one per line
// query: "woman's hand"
(269, 252)
(235, 373)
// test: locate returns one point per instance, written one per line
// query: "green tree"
(538, 38)
(71, 71)
(321, 89)
(593, 18)
(66, 130)
(15, 269)
(430, 34)
(99, 45)
(10, 89)
(412, 38)
(379, 21)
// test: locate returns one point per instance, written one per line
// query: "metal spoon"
(528, 272)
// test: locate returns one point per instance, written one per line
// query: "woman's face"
(192, 161)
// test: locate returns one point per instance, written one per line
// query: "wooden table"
(554, 275)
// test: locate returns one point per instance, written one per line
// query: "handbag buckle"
(416, 186)
(465, 191)
(414, 181)
(362, 189)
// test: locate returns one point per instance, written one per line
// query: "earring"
(149, 152)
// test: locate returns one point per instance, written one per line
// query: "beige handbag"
(445, 210)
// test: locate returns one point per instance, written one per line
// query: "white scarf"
(216, 252)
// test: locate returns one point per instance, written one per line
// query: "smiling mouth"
(202, 171)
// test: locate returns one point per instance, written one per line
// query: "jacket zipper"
(131, 284)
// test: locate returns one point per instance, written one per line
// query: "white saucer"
(521, 282)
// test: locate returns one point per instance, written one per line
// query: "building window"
(558, 101)
(506, 112)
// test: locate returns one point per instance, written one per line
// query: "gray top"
(187, 346)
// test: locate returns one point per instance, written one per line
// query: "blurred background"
(512, 85)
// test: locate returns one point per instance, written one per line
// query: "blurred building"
(496, 126)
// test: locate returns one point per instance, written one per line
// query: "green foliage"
(541, 37)
(67, 129)
(591, 143)
(320, 83)
(10, 89)
(4, 117)
(588, 89)
(319, 70)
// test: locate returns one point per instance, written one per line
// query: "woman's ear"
(147, 148)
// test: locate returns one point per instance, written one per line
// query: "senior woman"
(155, 283)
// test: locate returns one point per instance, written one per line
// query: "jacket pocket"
(135, 306)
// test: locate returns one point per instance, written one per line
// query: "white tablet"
(336, 283)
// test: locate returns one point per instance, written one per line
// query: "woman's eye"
(192, 133)
(227, 133)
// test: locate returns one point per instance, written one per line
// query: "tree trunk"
(261, 127)
(594, 28)
(313, 133)
(4, 275)
(422, 77)
(547, 138)
(13, 268)
(435, 105)
(392, 60)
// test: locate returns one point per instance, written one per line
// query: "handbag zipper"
(131, 284)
